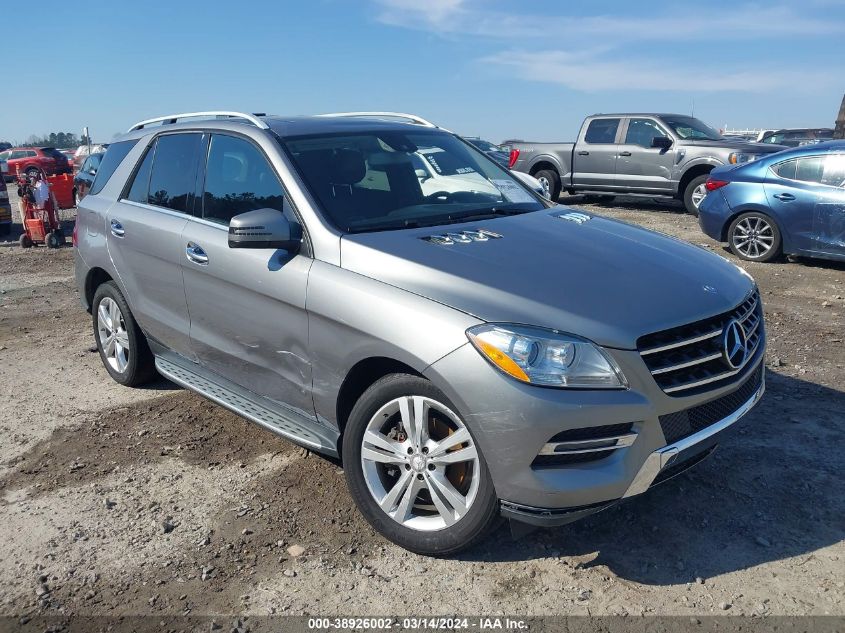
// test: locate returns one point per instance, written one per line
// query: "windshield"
(486, 146)
(687, 127)
(376, 181)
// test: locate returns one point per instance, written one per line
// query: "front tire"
(25, 241)
(694, 194)
(755, 237)
(549, 177)
(414, 470)
(123, 347)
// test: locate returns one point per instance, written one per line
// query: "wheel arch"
(544, 163)
(751, 209)
(695, 171)
(93, 280)
(359, 378)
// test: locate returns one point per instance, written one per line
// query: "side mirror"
(264, 228)
(661, 142)
(422, 174)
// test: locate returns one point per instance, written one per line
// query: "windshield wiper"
(483, 214)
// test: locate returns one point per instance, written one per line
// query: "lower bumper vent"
(577, 446)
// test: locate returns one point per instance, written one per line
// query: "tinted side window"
(31, 154)
(810, 169)
(174, 170)
(238, 179)
(602, 131)
(139, 191)
(786, 169)
(111, 160)
(642, 131)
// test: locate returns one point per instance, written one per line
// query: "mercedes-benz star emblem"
(735, 344)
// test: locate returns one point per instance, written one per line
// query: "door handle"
(117, 229)
(785, 197)
(624, 153)
(195, 254)
(583, 152)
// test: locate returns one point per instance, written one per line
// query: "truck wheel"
(754, 237)
(551, 181)
(25, 241)
(694, 193)
(414, 470)
(123, 347)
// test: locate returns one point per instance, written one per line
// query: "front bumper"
(511, 422)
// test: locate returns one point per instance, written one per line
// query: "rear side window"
(139, 191)
(238, 179)
(111, 161)
(808, 169)
(602, 131)
(174, 170)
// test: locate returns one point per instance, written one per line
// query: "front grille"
(681, 424)
(692, 358)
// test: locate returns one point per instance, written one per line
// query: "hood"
(601, 279)
(738, 146)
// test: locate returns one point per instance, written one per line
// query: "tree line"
(60, 140)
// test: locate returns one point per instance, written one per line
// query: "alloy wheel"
(114, 339)
(420, 463)
(698, 195)
(753, 237)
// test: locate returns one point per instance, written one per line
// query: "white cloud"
(592, 72)
(594, 55)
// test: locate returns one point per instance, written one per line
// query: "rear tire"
(25, 241)
(755, 237)
(403, 482)
(694, 194)
(549, 177)
(32, 172)
(123, 347)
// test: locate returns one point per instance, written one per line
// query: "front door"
(247, 306)
(639, 166)
(145, 234)
(594, 162)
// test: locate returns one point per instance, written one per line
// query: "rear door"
(145, 237)
(806, 210)
(247, 306)
(829, 216)
(594, 162)
(639, 166)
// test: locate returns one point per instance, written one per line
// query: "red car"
(29, 160)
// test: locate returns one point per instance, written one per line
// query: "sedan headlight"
(546, 357)
(737, 158)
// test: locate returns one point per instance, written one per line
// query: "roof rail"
(173, 118)
(413, 118)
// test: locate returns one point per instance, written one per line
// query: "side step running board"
(285, 422)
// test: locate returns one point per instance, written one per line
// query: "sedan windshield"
(692, 129)
(377, 181)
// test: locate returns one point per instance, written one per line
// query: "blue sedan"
(792, 203)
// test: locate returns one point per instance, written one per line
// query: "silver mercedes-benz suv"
(469, 352)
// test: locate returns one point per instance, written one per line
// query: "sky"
(496, 69)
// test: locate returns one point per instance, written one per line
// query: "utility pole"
(839, 131)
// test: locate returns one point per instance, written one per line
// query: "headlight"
(546, 357)
(737, 158)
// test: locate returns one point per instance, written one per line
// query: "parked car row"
(467, 348)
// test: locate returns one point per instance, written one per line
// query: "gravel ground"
(154, 501)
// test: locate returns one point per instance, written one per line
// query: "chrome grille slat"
(697, 361)
(689, 341)
(689, 357)
(578, 446)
